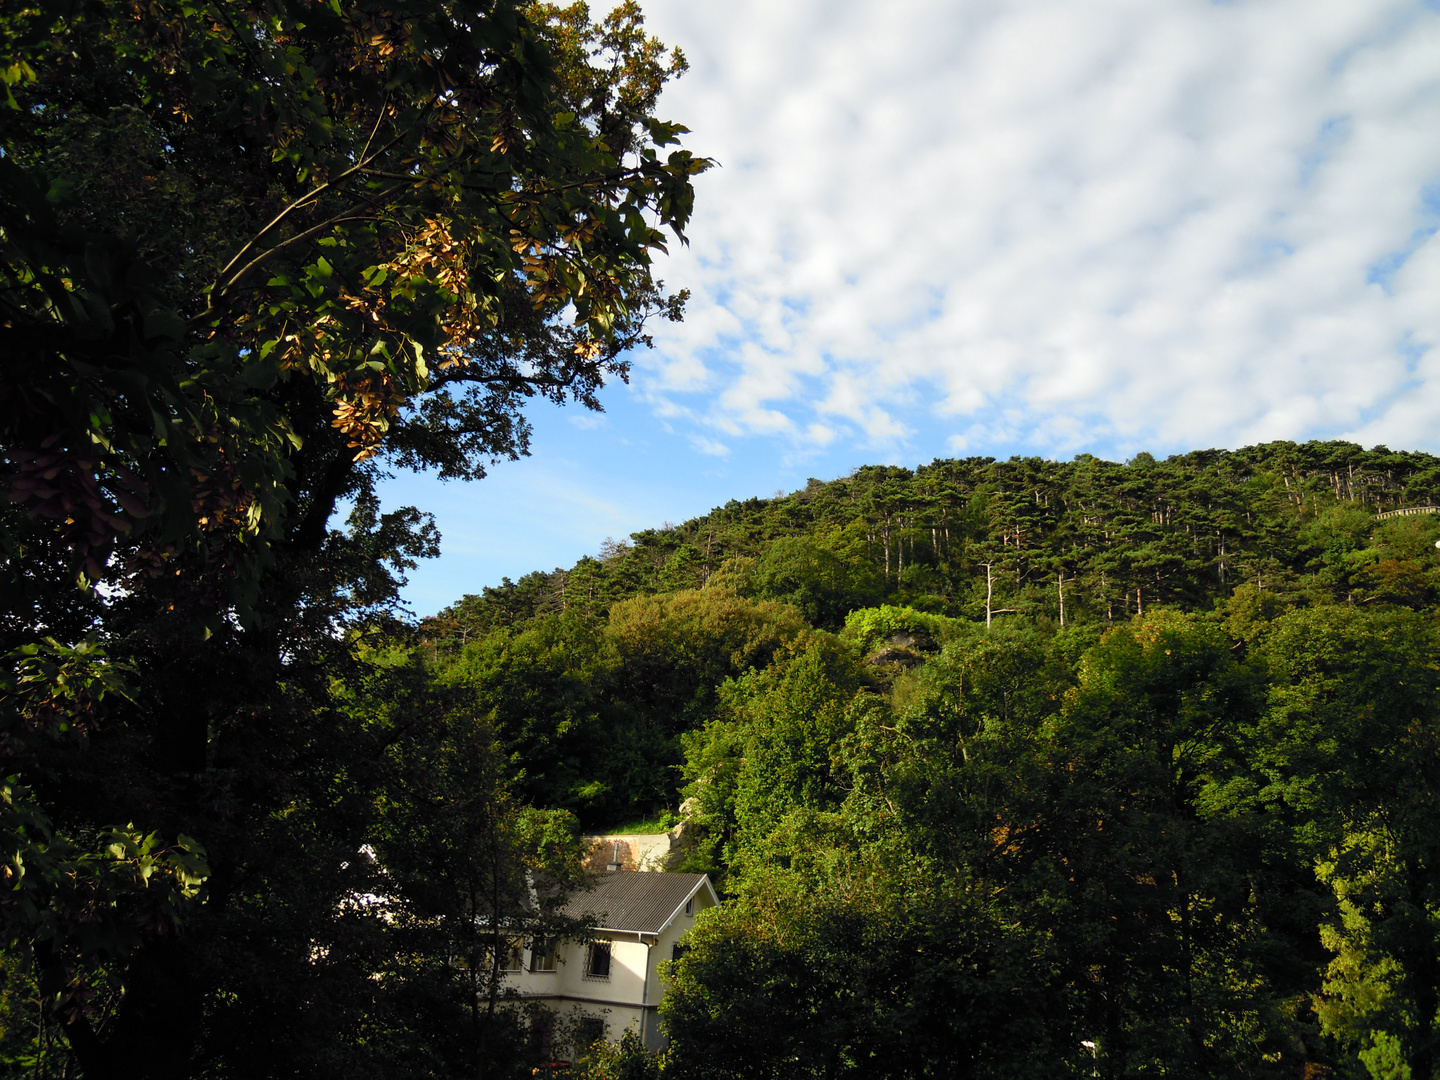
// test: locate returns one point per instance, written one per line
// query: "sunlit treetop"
(252, 252)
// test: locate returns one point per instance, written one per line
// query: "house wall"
(629, 997)
(620, 1000)
(665, 951)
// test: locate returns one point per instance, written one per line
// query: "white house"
(640, 917)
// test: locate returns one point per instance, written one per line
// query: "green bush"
(868, 627)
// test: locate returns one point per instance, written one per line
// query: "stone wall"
(633, 851)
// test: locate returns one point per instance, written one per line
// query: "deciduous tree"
(253, 255)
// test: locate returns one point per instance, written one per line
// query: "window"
(677, 951)
(591, 1031)
(543, 954)
(510, 955)
(597, 960)
(690, 906)
(542, 1033)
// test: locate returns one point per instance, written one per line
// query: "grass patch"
(660, 823)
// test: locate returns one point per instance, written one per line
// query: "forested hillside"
(1016, 768)
(1076, 541)
(594, 671)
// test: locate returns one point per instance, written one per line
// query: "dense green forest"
(1016, 768)
(633, 644)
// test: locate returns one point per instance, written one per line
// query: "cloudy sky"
(955, 227)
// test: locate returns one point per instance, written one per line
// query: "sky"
(946, 228)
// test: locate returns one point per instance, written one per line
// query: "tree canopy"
(252, 256)
(253, 251)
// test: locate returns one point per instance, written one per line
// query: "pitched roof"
(636, 901)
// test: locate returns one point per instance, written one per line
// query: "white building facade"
(612, 983)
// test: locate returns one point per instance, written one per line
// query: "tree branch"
(512, 382)
(211, 308)
(216, 289)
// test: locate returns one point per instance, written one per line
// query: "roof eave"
(704, 883)
(640, 934)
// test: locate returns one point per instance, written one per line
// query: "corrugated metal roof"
(637, 901)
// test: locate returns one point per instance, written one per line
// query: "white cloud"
(1057, 222)
(709, 446)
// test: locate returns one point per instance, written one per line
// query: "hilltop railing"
(1408, 511)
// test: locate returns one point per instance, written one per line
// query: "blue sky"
(949, 227)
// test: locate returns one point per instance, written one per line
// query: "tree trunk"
(477, 1031)
(160, 997)
(989, 593)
